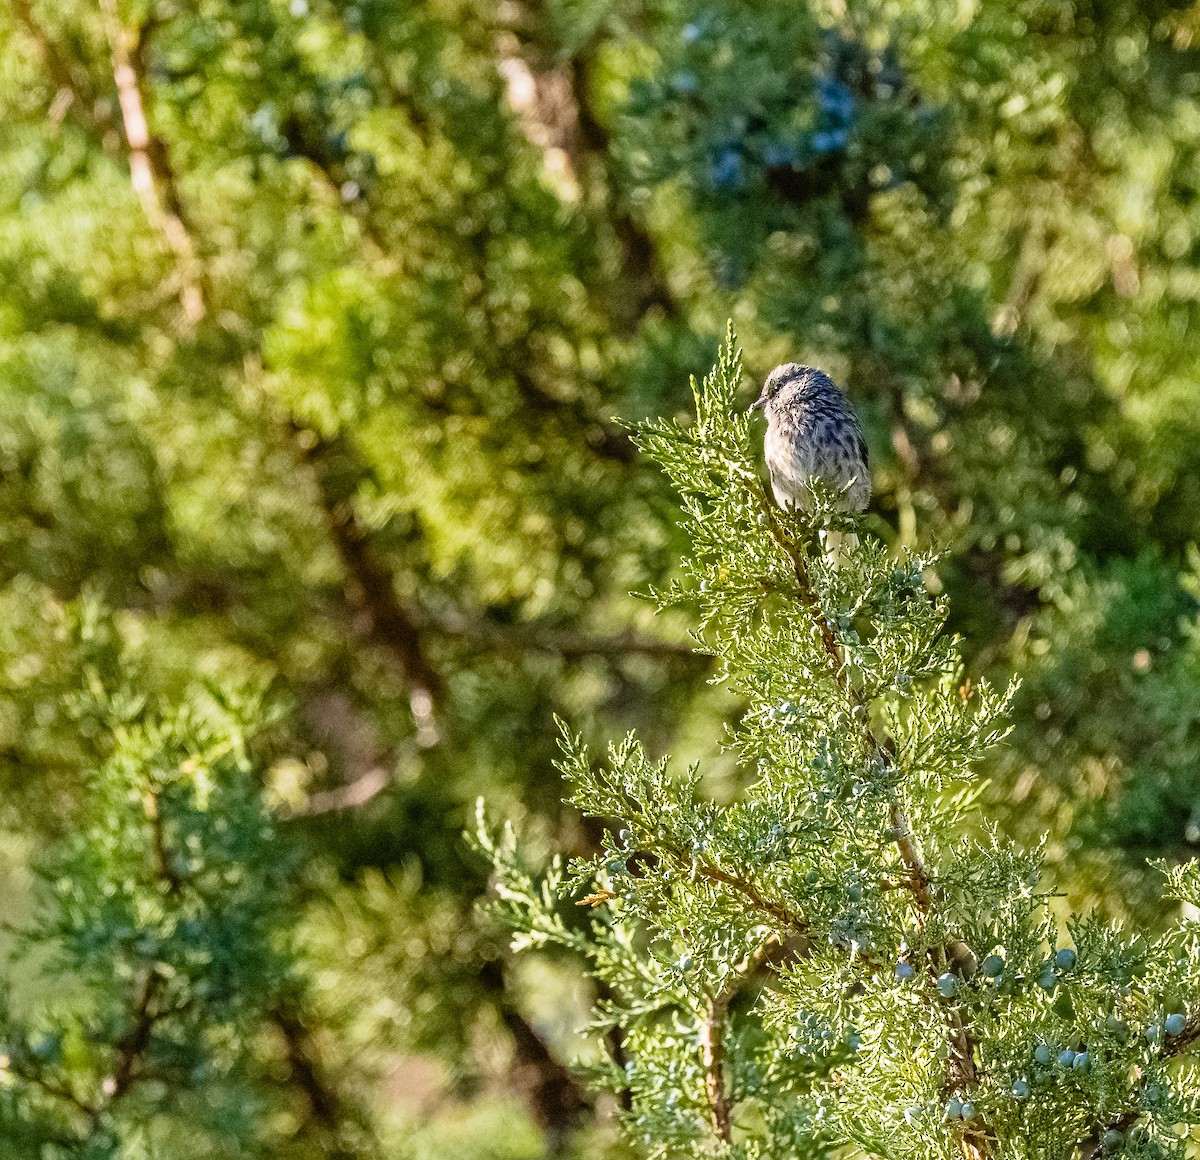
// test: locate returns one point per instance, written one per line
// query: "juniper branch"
(773, 951)
(961, 1068)
(64, 73)
(1091, 1145)
(132, 1046)
(58, 1091)
(150, 171)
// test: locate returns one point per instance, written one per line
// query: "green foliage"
(798, 143)
(323, 402)
(165, 921)
(844, 954)
(1118, 688)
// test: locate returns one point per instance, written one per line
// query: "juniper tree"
(286, 380)
(938, 207)
(845, 953)
(325, 393)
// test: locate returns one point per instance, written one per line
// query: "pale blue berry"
(968, 1110)
(1043, 1054)
(728, 170)
(904, 972)
(947, 985)
(829, 142)
(1081, 1061)
(1067, 1058)
(836, 99)
(1174, 1024)
(992, 966)
(1020, 1090)
(47, 1048)
(686, 84)
(1065, 959)
(778, 153)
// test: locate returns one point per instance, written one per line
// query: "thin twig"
(344, 797)
(792, 925)
(128, 1055)
(132, 1045)
(328, 1110)
(712, 1033)
(338, 471)
(917, 881)
(918, 876)
(556, 1097)
(165, 864)
(805, 591)
(789, 919)
(58, 1091)
(64, 74)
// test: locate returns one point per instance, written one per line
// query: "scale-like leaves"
(845, 953)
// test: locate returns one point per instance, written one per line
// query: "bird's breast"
(790, 458)
(801, 447)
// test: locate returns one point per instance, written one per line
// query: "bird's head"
(792, 382)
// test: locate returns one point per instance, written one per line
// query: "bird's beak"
(758, 403)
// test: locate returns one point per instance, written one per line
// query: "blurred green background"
(316, 323)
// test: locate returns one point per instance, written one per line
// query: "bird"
(813, 433)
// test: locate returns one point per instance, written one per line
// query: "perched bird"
(812, 433)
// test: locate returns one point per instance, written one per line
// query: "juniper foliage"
(162, 943)
(846, 953)
(314, 316)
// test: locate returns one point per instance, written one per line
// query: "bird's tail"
(838, 545)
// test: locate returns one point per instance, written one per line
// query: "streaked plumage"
(812, 432)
